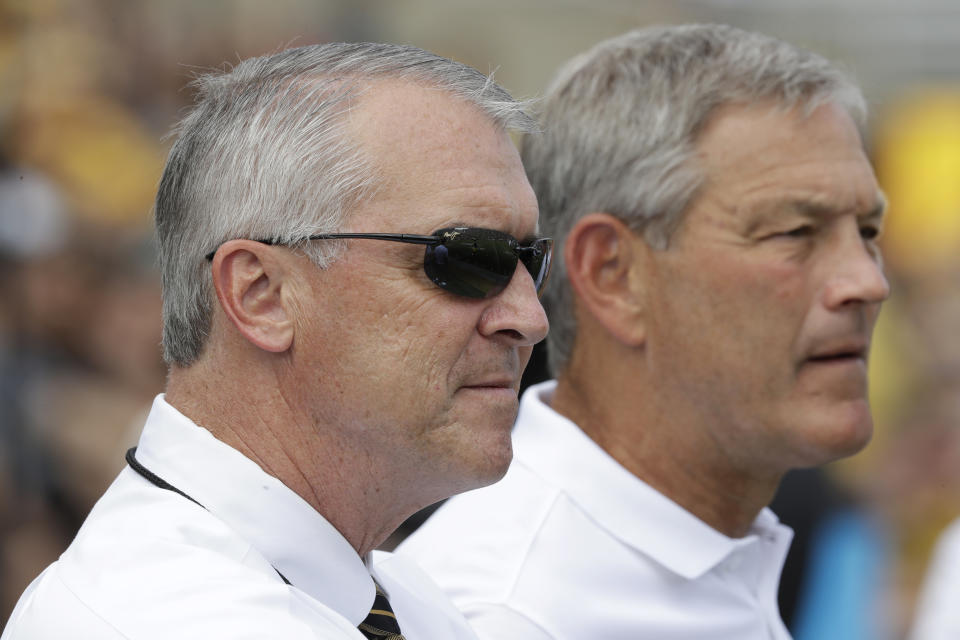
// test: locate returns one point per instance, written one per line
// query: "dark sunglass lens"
(536, 258)
(475, 263)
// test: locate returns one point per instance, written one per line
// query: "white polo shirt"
(570, 545)
(938, 613)
(149, 564)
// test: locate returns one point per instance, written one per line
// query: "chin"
(486, 466)
(454, 476)
(495, 464)
(842, 432)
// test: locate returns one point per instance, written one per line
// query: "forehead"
(441, 160)
(756, 155)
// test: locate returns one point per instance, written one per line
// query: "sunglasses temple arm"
(409, 238)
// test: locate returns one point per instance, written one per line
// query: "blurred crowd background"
(90, 88)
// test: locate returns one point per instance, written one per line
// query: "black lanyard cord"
(154, 478)
(163, 484)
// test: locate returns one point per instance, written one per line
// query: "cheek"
(422, 345)
(762, 290)
(785, 284)
(792, 308)
(736, 313)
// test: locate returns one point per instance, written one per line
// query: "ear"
(603, 268)
(248, 279)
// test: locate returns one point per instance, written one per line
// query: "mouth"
(508, 385)
(499, 384)
(840, 354)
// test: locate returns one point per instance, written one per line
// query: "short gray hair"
(264, 153)
(620, 123)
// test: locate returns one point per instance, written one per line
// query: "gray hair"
(264, 153)
(620, 123)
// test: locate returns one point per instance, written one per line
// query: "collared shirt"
(570, 545)
(937, 614)
(150, 564)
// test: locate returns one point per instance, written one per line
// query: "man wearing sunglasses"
(351, 269)
(711, 318)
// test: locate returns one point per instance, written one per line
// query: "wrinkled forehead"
(766, 142)
(431, 147)
(403, 124)
(758, 160)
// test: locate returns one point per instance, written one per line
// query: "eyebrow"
(812, 210)
(818, 210)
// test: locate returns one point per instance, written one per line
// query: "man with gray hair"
(351, 274)
(711, 318)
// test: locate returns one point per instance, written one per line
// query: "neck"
(258, 420)
(656, 442)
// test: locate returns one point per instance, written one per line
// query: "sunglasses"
(468, 261)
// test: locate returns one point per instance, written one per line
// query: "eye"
(803, 231)
(869, 232)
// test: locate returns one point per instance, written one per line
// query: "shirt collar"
(631, 510)
(293, 537)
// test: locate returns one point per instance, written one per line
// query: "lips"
(841, 351)
(497, 372)
(491, 384)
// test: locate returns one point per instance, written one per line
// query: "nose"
(859, 277)
(515, 314)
